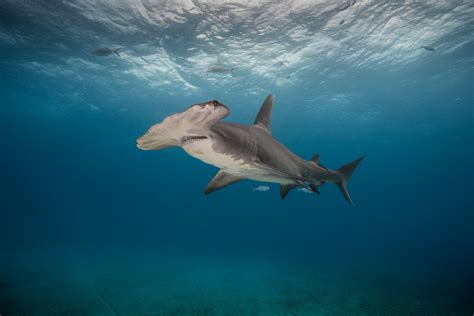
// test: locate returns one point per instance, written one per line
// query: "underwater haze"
(91, 225)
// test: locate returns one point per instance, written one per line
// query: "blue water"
(89, 224)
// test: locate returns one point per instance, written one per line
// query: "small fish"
(220, 69)
(261, 188)
(431, 49)
(341, 22)
(105, 51)
(304, 190)
(345, 6)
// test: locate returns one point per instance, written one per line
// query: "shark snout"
(174, 127)
(155, 139)
(149, 141)
(144, 143)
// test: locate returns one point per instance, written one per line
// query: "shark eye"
(215, 103)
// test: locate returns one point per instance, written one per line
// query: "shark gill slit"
(189, 139)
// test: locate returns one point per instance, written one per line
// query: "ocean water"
(91, 225)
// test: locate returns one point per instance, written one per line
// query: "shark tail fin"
(346, 172)
(116, 51)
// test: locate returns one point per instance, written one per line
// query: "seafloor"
(125, 283)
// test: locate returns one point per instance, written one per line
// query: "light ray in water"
(111, 307)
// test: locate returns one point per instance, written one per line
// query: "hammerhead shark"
(242, 151)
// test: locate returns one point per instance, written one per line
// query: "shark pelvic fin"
(220, 180)
(314, 188)
(264, 115)
(285, 188)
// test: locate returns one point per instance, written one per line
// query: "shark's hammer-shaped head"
(194, 122)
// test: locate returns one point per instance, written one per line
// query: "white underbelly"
(202, 150)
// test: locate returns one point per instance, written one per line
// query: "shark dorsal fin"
(263, 117)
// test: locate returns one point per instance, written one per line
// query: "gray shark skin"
(242, 151)
(104, 51)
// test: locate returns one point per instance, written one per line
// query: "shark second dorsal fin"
(220, 180)
(264, 115)
(315, 159)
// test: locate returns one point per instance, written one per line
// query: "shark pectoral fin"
(263, 117)
(285, 188)
(220, 180)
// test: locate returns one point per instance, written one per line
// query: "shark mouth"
(186, 140)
